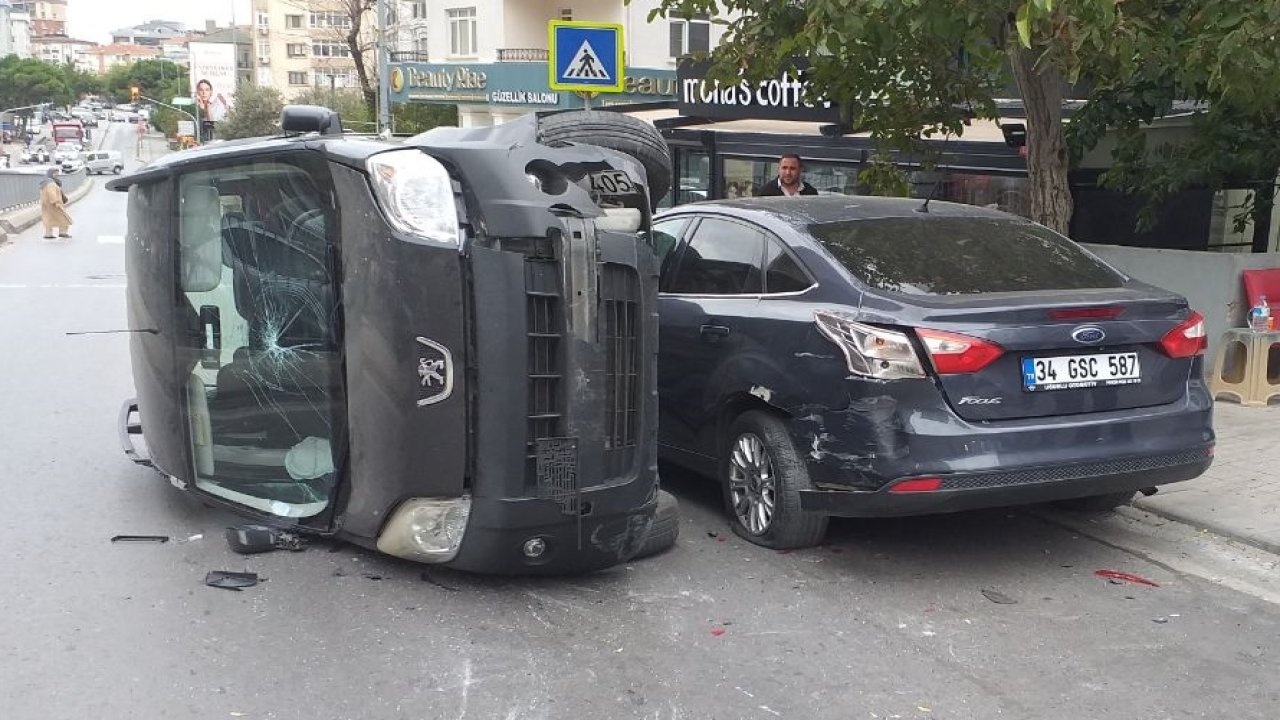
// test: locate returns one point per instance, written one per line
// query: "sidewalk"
(1239, 497)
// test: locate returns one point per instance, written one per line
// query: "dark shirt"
(773, 188)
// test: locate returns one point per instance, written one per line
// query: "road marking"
(111, 239)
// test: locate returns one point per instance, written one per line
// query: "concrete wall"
(1210, 281)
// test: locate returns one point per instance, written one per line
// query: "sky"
(95, 19)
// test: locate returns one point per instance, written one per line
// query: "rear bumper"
(1018, 487)
(854, 455)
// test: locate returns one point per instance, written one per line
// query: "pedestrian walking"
(53, 206)
(788, 183)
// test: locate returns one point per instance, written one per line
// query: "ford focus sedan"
(857, 357)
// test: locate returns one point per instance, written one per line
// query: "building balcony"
(409, 56)
(522, 55)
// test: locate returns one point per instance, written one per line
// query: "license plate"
(1080, 371)
(611, 182)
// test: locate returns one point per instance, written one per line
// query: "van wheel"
(761, 476)
(1096, 503)
(665, 527)
(614, 131)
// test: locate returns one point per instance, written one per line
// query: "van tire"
(664, 529)
(613, 131)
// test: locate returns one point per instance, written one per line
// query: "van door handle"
(713, 333)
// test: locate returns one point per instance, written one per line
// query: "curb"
(19, 220)
(1213, 527)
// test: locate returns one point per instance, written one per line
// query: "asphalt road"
(888, 621)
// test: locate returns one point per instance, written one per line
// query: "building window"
(330, 49)
(264, 20)
(420, 10)
(264, 49)
(295, 50)
(691, 35)
(462, 31)
(293, 22)
(297, 78)
(420, 47)
(330, 19)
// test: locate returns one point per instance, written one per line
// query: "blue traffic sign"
(586, 56)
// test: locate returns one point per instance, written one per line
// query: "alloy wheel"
(752, 484)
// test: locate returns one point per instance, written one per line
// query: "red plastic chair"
(1262, 282)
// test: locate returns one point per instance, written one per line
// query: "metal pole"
(384, 66)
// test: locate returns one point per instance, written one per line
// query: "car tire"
(1097, 503)
(759, 466)
(116, 170)
(664, 529)
(613, 131)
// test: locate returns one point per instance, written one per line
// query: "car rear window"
(961, 255)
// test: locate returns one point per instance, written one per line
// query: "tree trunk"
(1047, 159)
(357, 9)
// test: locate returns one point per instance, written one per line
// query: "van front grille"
(620, 304)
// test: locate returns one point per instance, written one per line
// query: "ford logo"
(1088, 335)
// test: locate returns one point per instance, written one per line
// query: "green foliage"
(882, 177)
(414, 118)
(347, 102)
(256, 113)
(25, 81)
(159, 79)
(82, 83)
(904, 70)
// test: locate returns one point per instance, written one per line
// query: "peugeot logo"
(1089, 335)
(435, 372)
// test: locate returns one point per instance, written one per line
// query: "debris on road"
(229, 580)
(998, 597)
(1125, 577)
(252, 539)
(141, 538)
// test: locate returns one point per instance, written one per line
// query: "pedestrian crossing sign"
(585, 56)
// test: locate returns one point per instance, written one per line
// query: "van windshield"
(961, 255)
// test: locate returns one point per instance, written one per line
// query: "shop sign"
(784, 97)
(520, 84)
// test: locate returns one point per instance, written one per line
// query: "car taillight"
(1186, 340)
(870, 351)
(954, 354)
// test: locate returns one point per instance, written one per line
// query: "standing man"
(788, 183)
(53, 206)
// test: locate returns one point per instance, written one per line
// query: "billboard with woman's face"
(213, 79)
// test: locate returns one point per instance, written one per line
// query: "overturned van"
(443, 348)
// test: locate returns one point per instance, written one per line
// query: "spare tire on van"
(613, 131)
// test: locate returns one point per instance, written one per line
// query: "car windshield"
(961, 255)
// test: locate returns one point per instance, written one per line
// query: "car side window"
(722, 258)
(665, 235)
(782, 274)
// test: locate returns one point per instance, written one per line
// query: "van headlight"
(415, 193)
(426, 530)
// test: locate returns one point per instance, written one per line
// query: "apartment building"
(105, 57)
(490, 56)
(152, 33)
(59, 49)
(301, 44)
(48, 17)
(19, 25)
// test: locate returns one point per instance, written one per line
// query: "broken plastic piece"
(229, 580)
(251, 539)
(998, 597)
(1127, 577)
(141, 538)
(717, 631)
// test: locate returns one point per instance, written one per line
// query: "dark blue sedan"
(862, 356)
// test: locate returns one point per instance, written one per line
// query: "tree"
(256, 112)
(26, 81)
(909, 70)
(159, 79)
(347, 102)
(81, 83)
(413, 118)
(351, 30)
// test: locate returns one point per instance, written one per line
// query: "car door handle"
(712, 333)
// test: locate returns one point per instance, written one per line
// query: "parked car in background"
(104, 161)
(36, 155)
(66, 150)
(837, 356)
